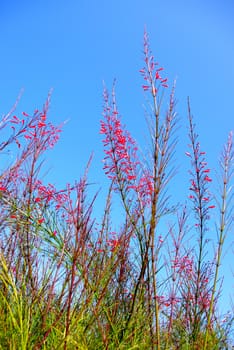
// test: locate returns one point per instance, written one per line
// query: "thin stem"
(227, 163)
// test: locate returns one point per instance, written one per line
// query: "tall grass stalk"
(69, 280)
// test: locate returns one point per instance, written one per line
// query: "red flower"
(157, 76)
(207, 178)
(131, 177)
(15, 120)
(41, 124)
(120, 149)
(13, 216)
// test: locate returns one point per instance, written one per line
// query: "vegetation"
(70, 282)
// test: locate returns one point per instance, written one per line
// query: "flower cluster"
(35, 129)
(151, 72)
(169, 301)
(199, 181)
(144, 188)
(203, 300)
(120, 161)
(184, 266)
(113, 243)
(2, 187)
(46, 194)
(110, 244)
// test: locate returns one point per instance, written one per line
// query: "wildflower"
(41, 124)
(207, 178)
(120, 149)
(99, 250)
(28, 137)
(200, 179)
(113, 243)
(157, 76)
(15, 120)
(13, 216)
(150, 72)
(145, 188)
(183, 266)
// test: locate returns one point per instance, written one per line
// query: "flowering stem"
(227, 162)
(200, 200)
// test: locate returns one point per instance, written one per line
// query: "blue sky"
(72, 46)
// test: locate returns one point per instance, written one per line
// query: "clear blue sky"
(73, 45)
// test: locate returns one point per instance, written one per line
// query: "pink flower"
(120, 149)
(207, 178)
(150, 72)
(113, 243)
(41, 124)
(131, 177)
(100, 250)
(15, 120)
